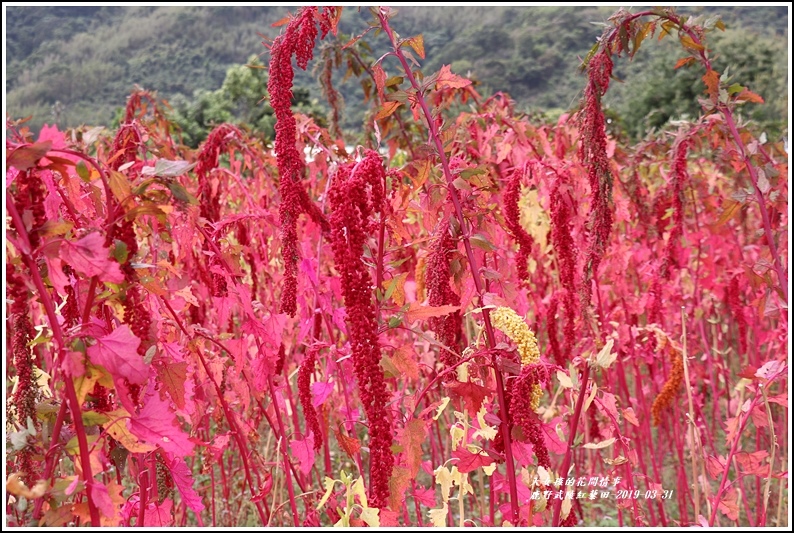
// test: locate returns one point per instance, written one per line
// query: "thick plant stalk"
(71, 394)
(473, 265)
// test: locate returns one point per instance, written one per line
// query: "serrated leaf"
(417, 43)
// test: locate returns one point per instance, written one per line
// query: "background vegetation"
(76, 65)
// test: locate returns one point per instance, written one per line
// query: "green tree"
(655, 92)
(240, 100)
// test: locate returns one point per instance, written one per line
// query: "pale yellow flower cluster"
(511, 324)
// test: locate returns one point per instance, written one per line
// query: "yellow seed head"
(534, 397)
(508, 322)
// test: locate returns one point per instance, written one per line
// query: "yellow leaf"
(370, 516)
(599, 445)
(117, 428)
(85, 383)
(438, 517)
(485, 431)
(329, 489)
(606, 357)
(358, 490)
(688, 42)
(418, 44)
(564, 380)
(15, 486)
(440, 409)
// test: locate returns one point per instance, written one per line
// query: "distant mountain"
(89, 58)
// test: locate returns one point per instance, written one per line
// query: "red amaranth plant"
(448, 328)
(510, 200)
(26, 392)
(563, 211)
(356, 193)
(593, 153)
(305, 395)
(670, 259)
(298, 39)
(522, 410)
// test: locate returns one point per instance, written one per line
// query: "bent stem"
(473, 265)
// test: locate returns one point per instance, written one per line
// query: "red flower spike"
(511, 212)
(298, 40)
(356, 192)
(448, 328)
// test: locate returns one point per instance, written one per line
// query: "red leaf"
(399, 481)
(426, 497)
(683, 61)
(749, 96)
(472, 394)
(411, 439)
(89, 257)
(159, 515)
(26, 157)
(157, 425)
(183, 479)
(420, 312)
(712, 80)
(118, 354)
(715, 466)
(101, 497)
(320, 392)
(468, 462)
(303, 450)
(172, 376)
(380, 80)
(729, 505)
(387, 109)
(446, 79)
(350, 445)
(553, 442)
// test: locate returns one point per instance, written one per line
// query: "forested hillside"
(76, 65)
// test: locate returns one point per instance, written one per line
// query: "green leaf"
(120, 252)
(82, 171)
(168, 169)
(180, 193)
(92, 418)
(480, 241)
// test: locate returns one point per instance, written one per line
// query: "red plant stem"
(566, 462)
(50, 455)
(71, 394)
(143, 479)
(759, 196)
(237, 432)
(475, 271)
(716, 501)
(212, 488)
(283, 448)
